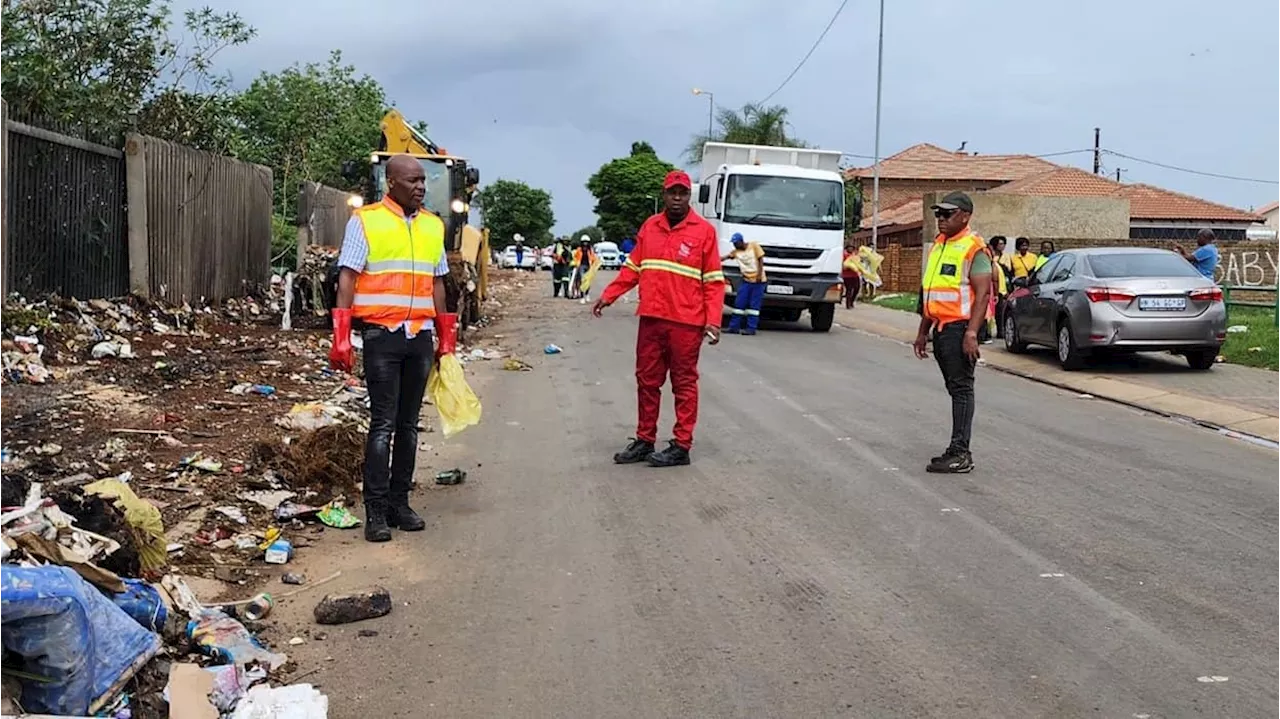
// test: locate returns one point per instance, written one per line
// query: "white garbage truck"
(790, 200)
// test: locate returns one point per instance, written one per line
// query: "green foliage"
(752, 125)
(852, 206)
(626, 189)
(508, 207)
(1258, 346)
(304, 121)
(593, 231)
(108, 64)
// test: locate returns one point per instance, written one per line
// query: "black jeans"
(395, 370)
(957, 372)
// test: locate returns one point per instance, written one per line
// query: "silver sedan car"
(1117, 299)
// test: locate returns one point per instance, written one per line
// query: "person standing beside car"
(952, 305)
(392, 282)
(1024, 261)
(1205, 257)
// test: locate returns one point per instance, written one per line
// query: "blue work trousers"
(750, 298)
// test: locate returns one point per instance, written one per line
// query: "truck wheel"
(821, 316)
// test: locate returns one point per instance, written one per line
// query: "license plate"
(1162, 304)
(780, 290)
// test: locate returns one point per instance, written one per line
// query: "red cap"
(677, 178)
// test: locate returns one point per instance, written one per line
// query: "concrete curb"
(1230, 421)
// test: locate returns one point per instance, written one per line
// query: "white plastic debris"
(1236, 329)
(296, 701)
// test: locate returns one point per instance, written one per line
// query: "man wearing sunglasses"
(953, 304)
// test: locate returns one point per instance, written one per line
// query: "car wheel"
(1012, 341)
(1202, 359)
(1068, 353)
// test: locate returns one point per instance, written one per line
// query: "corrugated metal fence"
(208, 223)
(87, 220)
(322, 216)
(64, 215)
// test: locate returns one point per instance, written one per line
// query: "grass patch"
(1257, 347)
(897, 301)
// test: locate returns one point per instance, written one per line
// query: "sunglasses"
(943, 214)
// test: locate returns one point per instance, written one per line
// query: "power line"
(807, 54)
(1190, 171)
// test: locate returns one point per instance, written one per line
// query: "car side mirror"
(704, 194)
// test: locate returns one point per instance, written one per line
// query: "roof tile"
(930, 162)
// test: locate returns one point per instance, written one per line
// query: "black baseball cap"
(955, 201)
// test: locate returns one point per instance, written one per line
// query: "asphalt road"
(1099, 562)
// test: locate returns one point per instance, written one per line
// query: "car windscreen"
(1140, 264)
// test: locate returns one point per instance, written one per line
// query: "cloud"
(548, 91)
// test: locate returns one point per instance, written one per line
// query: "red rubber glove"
(341, 356)
(447, 332)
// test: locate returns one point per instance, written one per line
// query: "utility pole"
(1097, 150)
(875, 173)
(1118, 171)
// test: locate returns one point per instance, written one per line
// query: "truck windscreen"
(786, 201)
(437, 196)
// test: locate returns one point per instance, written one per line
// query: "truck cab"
(791, 202)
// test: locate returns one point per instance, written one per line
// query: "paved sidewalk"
(1240, 399)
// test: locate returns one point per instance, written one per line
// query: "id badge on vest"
(947, 269)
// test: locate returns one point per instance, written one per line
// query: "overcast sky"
(546, 91)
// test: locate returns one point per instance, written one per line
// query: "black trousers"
(957, 373)
(395, 370)
(559, 280)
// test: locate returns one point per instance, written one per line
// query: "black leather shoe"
(375, 524)
(638, 451)
(673, 456)
(401, 516)
(952, 463)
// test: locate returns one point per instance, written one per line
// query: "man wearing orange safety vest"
(676, 262)
(953, 304)
(392, 283)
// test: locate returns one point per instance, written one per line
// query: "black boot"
(638, 451)
(673, 456)
(401, 516)
(375, 522)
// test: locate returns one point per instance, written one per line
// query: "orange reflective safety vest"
(397, 285)
(948, 294)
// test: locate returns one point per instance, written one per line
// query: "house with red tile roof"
(1154, 213)
(1270, 215)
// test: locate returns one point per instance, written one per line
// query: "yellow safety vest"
(948, 294)
(398, 282)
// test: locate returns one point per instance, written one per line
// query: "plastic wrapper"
(143, 603)
(458, 406)
(228, 641)
(143, 518)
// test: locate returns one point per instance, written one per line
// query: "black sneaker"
(402, 517)
(375, 524)
(732, 331)
(673, 456)
(952, 463)
(941, 457)
(638, 451)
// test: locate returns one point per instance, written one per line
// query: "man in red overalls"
(676, 262)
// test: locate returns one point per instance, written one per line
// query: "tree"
(852, 205)
(594, 232)
(627, 189)
(752, 125)
(510, 207)
(304, 122)
(106, 65)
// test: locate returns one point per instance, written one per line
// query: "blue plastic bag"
(69, 634)
(142, 602)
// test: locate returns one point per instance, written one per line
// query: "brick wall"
(895, 191)
(900, 271)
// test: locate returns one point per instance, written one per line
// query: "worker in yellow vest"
(953, 305)
(392, 284)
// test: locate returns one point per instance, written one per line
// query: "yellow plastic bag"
(143, 518)
(589, 275)
(458, 406)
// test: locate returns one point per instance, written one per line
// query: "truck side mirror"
(351, 171)
(473, 176)
(704, 194)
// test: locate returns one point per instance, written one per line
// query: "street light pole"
(711, 108)
(875, 173)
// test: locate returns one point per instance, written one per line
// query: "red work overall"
(681, 293)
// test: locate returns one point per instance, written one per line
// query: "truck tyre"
(821, 316)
